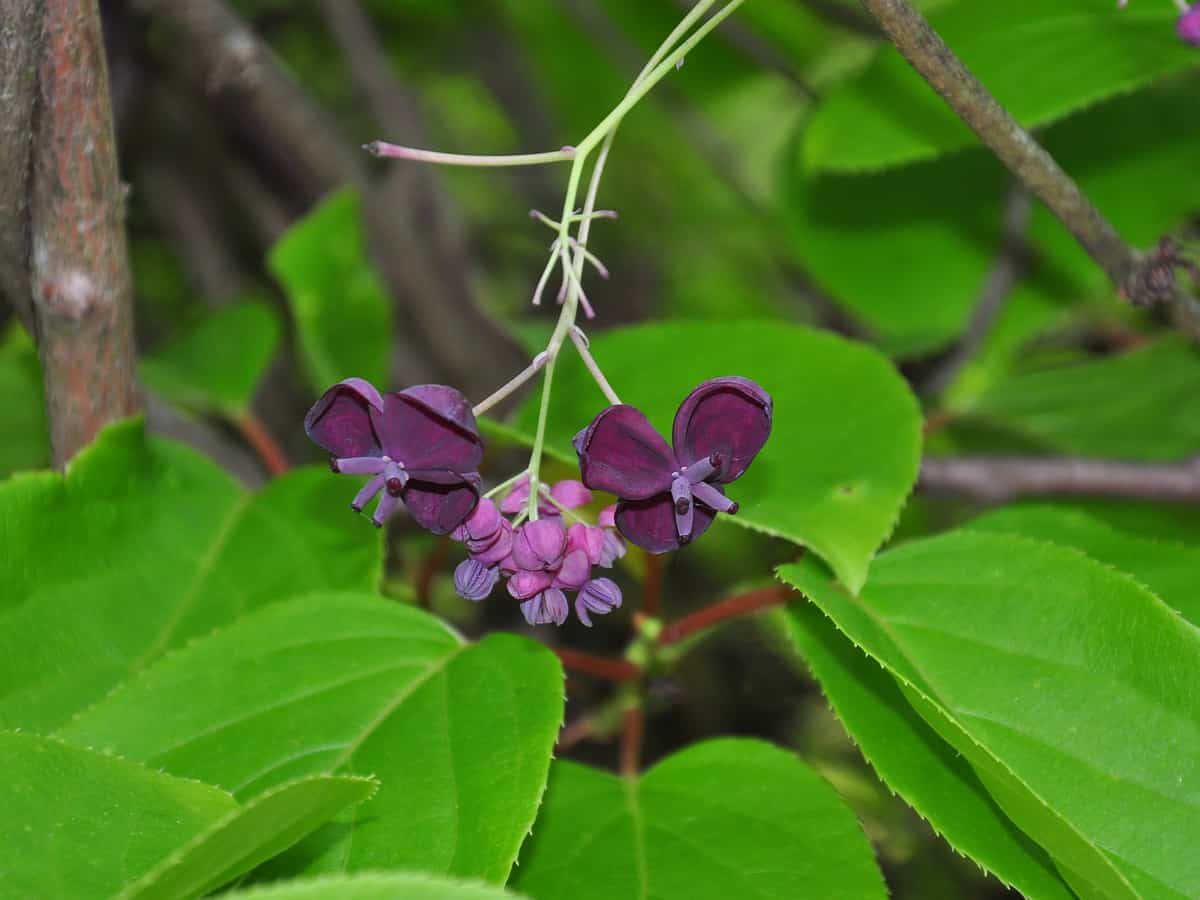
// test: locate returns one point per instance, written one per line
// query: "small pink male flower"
(421, 446)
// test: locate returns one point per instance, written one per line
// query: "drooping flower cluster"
(421, 448)
(542, 559)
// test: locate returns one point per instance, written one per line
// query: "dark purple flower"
(420, 445)
(548, 606)
(473, 580)
(600, 596)
(668, 498)
(1188, 26)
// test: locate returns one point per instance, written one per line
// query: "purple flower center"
(687, 485)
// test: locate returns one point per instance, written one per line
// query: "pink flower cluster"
(541, 559)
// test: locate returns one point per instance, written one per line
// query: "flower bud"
(539, 546)
(600, 596)
(473, 580)
(548, 606)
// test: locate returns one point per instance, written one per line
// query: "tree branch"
(20, 43)
(81, 291)
(1000, 479)
(1139, 277)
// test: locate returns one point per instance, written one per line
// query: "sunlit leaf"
(80, 824)
(1022, 655)
(459, 735)
(140, 547)
(725, 818)
(374, 887)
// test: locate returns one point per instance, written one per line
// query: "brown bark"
(1000, 479)
(80, 280)
(20, 40)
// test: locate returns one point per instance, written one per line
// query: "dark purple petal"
(548, 606)
(539, 546)
(576, 567)
(730, 417)
(600, 596)
(651, 523)
(1188, 26)
(430, 426)
(341, 423)
(440, 501)
(620, 452)
(474, 581)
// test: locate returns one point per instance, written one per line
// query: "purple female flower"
(1188, 26)
(668, 498)
(419, 445)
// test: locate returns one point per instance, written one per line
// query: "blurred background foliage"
(794, 170)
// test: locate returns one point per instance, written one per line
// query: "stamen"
(369, 490)
(387, 505)
(699, 470)
(714, 499)
(359, 465)
(681, 492)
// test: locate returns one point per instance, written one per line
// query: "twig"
(81, 291)
(997, 479)
(1008, 268)
(573, 733)
(273, 458)
(20, 43)
(598, 666)
(739, 605)
(1136, 276)
(633, 727)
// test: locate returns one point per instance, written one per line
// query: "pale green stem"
(566, 511)
(505, 485)
(660, 65)
(396, 151)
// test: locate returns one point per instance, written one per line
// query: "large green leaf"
(459, 734)
(143, 545)
(1041, 60)
(725, 818)
(1167, 568)
(1126, 405)
(400, 886)
(1023, 655)
(844, 448)
(914, 761)
(249, 835)
(215, 365)
(80, 824)
(24, 443)
(343, 315)
(907, 252)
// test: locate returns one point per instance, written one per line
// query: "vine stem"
(599, 666)
(273, 458)
(396, 151)
(729, 608)
(661, 63)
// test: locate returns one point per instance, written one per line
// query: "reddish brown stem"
(257, 436)
(573, 733)
(81, 291)
(652, 586)
(599, 666)
(739, 605)
(633, 726)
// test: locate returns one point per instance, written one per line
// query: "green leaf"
(375, 887)
(725, 818)
(80, 824)
(914, 761)
(458, 734)
(342, 311)
(1125, 405)
(1042, 61)
(24, 442)
(142, 546)
(1167, 568)
(844, 447)
(251, 834)
(907, 252)
(1023, 655)
(215, 365)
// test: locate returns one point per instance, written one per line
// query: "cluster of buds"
(544, 558)
(421, 448)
